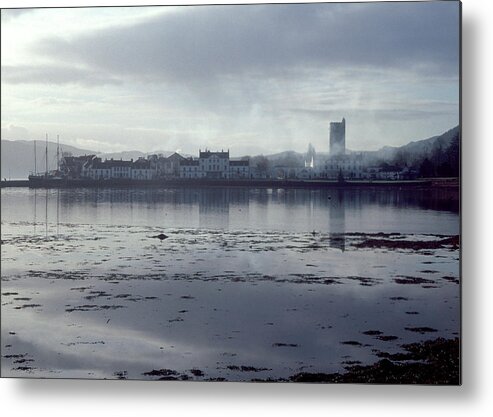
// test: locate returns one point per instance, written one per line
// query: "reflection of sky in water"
(208, 299)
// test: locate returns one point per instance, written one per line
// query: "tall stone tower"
(337, 139)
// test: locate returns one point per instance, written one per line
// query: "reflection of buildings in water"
(214, 208)
(337, 220)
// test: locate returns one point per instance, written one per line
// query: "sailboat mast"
(35, 167)
(57, 153)
(46, 155)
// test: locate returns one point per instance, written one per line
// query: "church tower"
(337, 138)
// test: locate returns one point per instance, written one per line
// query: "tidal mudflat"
(246, 285)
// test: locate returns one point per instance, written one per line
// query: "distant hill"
(127, 155)
(416, 150)
(438, 156)
(18, 157)
(17, 160)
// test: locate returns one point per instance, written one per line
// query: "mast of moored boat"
(46, 156)
(57, 153)
(35, 168)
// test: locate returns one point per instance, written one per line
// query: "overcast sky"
(254, 79)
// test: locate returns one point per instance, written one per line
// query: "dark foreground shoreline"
(192, 183)
(433, 362)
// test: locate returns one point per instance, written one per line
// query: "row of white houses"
(218, 165)
(211, 165)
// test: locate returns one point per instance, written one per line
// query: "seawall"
(197, 183)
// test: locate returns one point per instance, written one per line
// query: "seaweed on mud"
(23, 368)
(364, 281)
(169, 374)
(27, 306)
(81, 289)
(401, 279)
(23, 360)
(351, 362)
(96, 294)
(434, 362)
(14, 356)
(372, 332)
(175, 319)
(284, 344)
(451, 279)
(243, 368)
(372, 243)
(351, 343)
(387, 338)
(160, 372)
(93, 307)
(196, 372)
(421, 330)
(120, 374)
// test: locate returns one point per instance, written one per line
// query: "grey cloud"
(11, 14)
(206, 43)
(387, 115)
(13, 132)
(54, 74)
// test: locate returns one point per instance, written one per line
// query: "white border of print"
(83, 398)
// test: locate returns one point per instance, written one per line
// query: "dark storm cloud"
(202, 44)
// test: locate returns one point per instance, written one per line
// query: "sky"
(255, 79)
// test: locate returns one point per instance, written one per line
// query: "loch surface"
(249, 284)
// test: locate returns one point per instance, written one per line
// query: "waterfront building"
(141, 170)
(349, 166)
(214, 165)
(97, 169)
(190, 168)
(239, 169)
(171, 166)
(71, 167)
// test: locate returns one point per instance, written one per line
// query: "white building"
(97, 169)
(141, 170)
(349, 166)
(190, 168)
(239, 169)
(214, 165)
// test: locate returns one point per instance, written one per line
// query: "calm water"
(250, 283)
